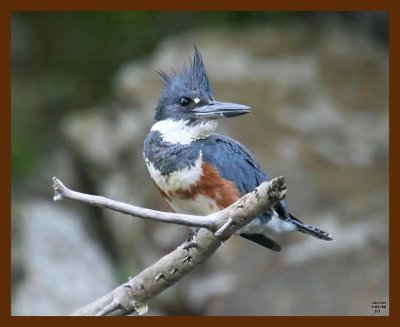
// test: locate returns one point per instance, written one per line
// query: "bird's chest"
(178, 173)
(172, 166)
(183, 189)
(178, 180)
(188, 183)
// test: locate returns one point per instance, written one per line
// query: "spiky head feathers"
(192, 80)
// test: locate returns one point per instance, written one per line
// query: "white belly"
(200, 205)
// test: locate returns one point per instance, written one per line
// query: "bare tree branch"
(63, 192)
(135, 293)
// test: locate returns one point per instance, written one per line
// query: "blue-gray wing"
(235, 163)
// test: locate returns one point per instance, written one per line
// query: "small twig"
(219, 233)
(62, 192)
(109, 308)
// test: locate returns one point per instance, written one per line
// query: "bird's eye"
(185, 102)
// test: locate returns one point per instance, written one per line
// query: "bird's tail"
(311, 230)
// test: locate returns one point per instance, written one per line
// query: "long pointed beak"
(221, 109)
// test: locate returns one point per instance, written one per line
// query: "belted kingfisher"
(199, 172)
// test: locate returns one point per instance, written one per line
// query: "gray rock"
(63, 267)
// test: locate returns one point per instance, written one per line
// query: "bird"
(198, 171)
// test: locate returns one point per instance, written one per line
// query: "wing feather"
(236, 164)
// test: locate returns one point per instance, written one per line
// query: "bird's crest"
(192, 78)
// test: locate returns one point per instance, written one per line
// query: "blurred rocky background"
(83, 91)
